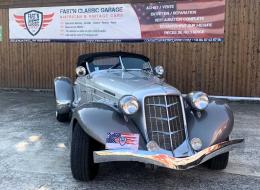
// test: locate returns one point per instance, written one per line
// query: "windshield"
(135, 63)
(127, 63)
(103, 63)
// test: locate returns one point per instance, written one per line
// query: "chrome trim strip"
(185, 124)
(121, 62)
(168, 120)
(108, 92)
(88, 68)
(77, 97)
(164, 119)
(144, 119)
(165, 133)
(163, 159)
(162, 105)
(63, 78)
(63, 102)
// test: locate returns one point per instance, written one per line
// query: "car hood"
(123, 83)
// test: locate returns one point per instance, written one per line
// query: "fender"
(64, 94)
(98, 119)
(213, 127)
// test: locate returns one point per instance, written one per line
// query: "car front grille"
(164, 121)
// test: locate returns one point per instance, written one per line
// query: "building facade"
(230, 68)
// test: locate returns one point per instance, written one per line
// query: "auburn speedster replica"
(121, 109)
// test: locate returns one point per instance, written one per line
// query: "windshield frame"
(122, 66)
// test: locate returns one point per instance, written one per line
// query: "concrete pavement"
(34, 155)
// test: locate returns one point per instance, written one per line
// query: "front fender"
(64, 94)
(213, 127)
(98, 119)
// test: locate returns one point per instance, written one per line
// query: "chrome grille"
(164, 121)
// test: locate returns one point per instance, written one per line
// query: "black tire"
(63, 117)
(81, 157)
(219, 162)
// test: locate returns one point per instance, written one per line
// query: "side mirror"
(81, 71)
(159, 71)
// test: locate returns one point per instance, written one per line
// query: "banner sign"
(187, 20)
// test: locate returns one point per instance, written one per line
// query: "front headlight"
(129, 105)
(81, 71)
(198, 100)
(159, 70)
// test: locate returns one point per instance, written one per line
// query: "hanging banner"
(187, 20)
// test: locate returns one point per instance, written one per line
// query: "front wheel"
(82, 163)
(219, 162)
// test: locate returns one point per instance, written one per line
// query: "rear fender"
(98, 119)
(213, 127)
(64, 94)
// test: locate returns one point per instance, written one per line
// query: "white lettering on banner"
(104, 22)
(171, 21)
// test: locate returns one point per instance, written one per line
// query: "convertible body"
(126, 108)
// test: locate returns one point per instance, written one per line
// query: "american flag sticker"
(122, 141)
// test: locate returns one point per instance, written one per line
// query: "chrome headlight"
(198, 100)
(129, 105)
(81, 71)
(159, 71)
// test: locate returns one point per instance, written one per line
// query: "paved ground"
(33, 153)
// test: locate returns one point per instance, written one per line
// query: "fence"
(229, 68)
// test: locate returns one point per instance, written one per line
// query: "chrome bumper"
(165, 160)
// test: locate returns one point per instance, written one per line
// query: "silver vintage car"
(121, 109)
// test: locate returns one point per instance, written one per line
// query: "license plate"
(116, 140)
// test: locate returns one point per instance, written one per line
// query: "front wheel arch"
(87, 115)
(213, 126)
